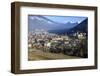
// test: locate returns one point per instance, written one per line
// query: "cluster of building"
(80, 35)
(43, 40)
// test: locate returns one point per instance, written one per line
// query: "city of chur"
(57, 37)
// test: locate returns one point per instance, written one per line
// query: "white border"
(25, 64)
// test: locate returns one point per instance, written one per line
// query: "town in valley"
(47, 45)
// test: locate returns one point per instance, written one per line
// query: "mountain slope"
(40, 22)
(82, 27)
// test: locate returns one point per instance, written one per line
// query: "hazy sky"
(65, 19)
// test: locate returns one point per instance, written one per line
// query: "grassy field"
(35, 54)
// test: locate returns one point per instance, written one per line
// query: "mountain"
(82, 27)
(41, 22)
(38, 23)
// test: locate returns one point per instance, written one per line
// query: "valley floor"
(34, 54)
